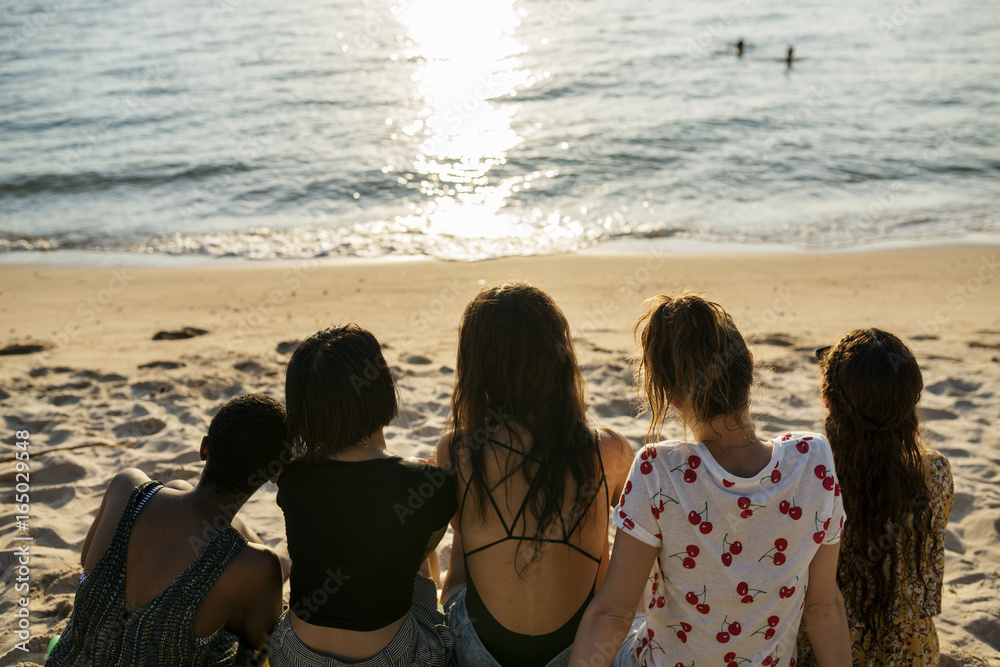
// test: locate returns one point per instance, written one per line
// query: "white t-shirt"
(729, 582)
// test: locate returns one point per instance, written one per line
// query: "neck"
(726, 432)
(214, 503)
(372, 447)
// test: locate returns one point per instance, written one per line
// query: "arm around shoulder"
(259, 579)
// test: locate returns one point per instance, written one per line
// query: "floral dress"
(730, 578)
(913, 641)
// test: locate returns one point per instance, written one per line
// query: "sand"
(103, 395)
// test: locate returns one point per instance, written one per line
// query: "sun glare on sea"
(467, 74)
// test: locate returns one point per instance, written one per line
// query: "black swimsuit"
(512, 648)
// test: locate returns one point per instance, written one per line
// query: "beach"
(101, 394)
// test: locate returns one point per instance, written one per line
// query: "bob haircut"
(338, 391)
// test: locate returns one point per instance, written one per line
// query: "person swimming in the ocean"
(739, 48)
(789, 57)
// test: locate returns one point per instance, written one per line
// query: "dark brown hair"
(690, 350)
(872, 384)
(338, 390)
(517, 369)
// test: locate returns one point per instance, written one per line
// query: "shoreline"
(623, 246)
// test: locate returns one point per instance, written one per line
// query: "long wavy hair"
(872, 384)
(690, 350)
(517, 372)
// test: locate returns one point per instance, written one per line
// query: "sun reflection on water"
(469, 72)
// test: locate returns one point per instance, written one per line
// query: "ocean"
(468, 129)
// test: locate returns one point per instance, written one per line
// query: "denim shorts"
(423, 639)
(469, 650)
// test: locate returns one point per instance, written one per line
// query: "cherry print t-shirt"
(730, 579)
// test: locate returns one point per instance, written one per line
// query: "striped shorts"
(423, 640)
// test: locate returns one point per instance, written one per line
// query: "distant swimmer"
(739, 48)
(789, 57)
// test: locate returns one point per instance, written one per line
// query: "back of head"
(338, 390)
(691, 351)
(516, 368)
(872, 385)
(245, 441)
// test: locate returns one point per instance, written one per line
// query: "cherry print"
(784, 506)
(729, 657)
(773, 621)
(779, 558)
(686, 626)
(694, 518)
(692, 550)
(656, 512)
(742, 588)
(818, 537)
(735, 628)
(766, 662)
(690, 476)
(775, 476)
(743, 502)
(828, 483)
(746, 514)
(628, 487)
(682, 636)
(722, 637)
(691, 598)
(802, 447)
(694, 461)
(644, 454)
(786, 592)
(769, 634)
(826, 525)
(781, 544)
(836, 492)
(660, 601)
(795, 513)
(622, 501)
(645, 467)
(736, 547)
(688, 563)
(705, 527)
(746, 599)
(820, 471)
(703, 608)
(727, 559)
(726, 483)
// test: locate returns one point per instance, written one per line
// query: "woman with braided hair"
(898, 496)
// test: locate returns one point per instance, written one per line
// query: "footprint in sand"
(163, 365)
(153, 387)
(953, 387)
(24, 348)
(249, 366)
(287, 347)
(417, 359)
(64, 472)
(179, 334)
(64, 399)
(987, 629)
(139, 428)
(930, 414)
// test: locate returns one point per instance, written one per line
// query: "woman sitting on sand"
(534, 484)
(897, 494)
(737, 536)
(170, 576)
(359, 519)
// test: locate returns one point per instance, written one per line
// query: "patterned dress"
(734, 553)
(913, 641)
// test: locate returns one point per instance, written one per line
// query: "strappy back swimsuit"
(512, 648)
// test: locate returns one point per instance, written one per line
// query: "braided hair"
(872, 384)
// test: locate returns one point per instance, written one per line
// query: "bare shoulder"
(442, 451)
(616, 451)
(255, 570)
(119, 490)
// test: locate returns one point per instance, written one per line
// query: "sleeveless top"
(511, 648)
(101, 633)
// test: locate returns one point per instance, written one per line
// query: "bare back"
(534, 588)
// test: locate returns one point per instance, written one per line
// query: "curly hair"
(245, 440)
(689, 349)
(516, 369)
(872, 383)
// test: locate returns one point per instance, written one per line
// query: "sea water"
(465, 129)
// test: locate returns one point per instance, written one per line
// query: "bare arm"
(263, 601)
(824, 617)
(609, 615)
(115, 498)
(617, 455)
